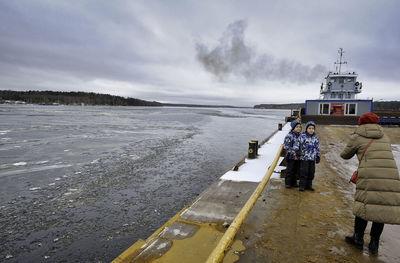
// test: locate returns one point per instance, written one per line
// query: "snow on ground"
(254, 170)
(396, 153)
(345, 168)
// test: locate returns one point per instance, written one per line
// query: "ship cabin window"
(341, 80)
(350, 109)
(324, 108)
(350, 79)
(348, 96)
(340, 96)
(333, 95)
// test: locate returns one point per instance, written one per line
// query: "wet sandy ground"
(291, 226)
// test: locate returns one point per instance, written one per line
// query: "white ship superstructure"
(340, 85)
(338, 95)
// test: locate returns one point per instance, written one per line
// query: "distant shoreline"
(88, 99)
(97, 99)
(70, 98)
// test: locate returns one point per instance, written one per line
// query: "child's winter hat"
(310, 123)
(368, 117)
(294, 123)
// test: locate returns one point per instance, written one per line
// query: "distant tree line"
(386, 105)
(378, 105)
(72, 98)
(280, 106)
(90, 98)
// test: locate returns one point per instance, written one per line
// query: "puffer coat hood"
(377, 195)
(372, 131)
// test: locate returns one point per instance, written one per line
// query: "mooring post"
(256, 141)
(252, 150)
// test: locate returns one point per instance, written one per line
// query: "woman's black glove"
(318, 159)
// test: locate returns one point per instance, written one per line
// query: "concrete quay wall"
(285, 225)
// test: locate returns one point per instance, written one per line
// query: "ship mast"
(340, 51)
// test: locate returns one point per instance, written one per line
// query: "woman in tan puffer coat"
(377, 197)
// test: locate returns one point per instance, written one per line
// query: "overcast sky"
(204, 52)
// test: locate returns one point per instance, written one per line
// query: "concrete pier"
(285, 225)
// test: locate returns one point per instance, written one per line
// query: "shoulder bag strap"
(362, 155)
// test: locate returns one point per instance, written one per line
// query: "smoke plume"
(233, 57)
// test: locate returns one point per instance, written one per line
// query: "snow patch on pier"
(254, 170)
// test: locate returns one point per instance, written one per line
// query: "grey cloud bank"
(192, 52)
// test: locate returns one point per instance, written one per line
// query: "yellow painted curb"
(135, 249)
(219, 252)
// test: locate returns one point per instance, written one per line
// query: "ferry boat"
(338, 95)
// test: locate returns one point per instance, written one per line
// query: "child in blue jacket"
(293, 164)
(307, 148)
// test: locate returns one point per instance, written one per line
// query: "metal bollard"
(252, 150)
(280, 126)
(256, 141)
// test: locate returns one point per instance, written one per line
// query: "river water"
(82, 184)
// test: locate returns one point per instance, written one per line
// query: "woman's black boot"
(373, 246)
(356, 240)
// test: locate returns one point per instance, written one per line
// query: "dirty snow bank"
(254, 170)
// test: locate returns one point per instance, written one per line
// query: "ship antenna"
(340, 51)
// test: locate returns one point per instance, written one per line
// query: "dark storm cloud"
(145, 49)
(379, 56)
(49, 37)
(233, 57)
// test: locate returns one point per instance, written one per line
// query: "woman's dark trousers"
(292, 172)
(307, 170)
(360, 225)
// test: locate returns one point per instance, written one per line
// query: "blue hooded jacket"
(307, 145)
(290, 140)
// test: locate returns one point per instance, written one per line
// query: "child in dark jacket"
(293, 163)
(307, 148)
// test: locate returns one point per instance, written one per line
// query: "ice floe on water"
(134, 156)
(42, 162)
(4, 132)
(182, 150)
(30, 169)
(20, 164)
(72, 191)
